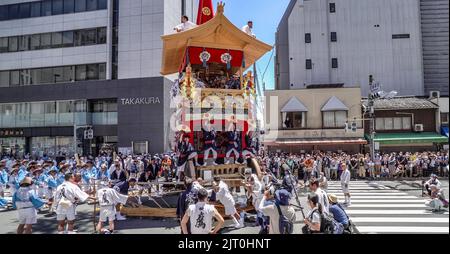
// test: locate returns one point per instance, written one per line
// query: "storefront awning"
(444, 131)
(294, 105)
(321, 141)
(334, 104)
(408, 138)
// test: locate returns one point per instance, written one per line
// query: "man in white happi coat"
(67, 195)
(108, 198)
(224, 196)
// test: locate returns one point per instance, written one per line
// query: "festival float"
(213, 100)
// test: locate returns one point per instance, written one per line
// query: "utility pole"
(372, 118)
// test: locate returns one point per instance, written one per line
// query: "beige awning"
(217, 33)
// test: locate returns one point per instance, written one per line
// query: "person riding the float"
(209, 138)
(233, 144)
(186, 153)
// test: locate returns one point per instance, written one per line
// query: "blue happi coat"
(25, 197)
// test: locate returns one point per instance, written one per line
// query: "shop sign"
(11, 133)
(141, 101)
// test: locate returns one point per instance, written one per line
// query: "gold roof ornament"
(218, 33)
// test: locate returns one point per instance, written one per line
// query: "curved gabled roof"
(218, 33)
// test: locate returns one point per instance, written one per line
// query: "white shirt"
(272, 212)
(345, 177)
(246, 29)
(323, 200)
(71, 192)
(186, 26)
(201, 216)
(224, 195)
(110, 197)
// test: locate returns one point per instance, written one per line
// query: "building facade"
(67, 66)
(407, 122)
(435, 27)
(403, 44)
(314, 119)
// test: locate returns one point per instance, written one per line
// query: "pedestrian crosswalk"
(377, 209)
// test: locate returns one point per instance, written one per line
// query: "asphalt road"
(84, 224)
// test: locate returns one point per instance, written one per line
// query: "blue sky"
(265, 14)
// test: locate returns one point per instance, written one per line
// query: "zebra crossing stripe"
(403, 212)
(389, 206)
(356, 201)
(405, 229)
(356, 197)
(371, 193)
(400, 219)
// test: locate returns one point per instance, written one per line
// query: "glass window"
(69, 6)
(13, 11)
(80, 106)
(47, 76)
(92, 72)
(57, 7)
(25, 77)
(140, 147)
(111, 106)
(341, 118)
(444, 118)
(13, 43)
(3, 44)
(80, 72)
(295, 120)
(102, 71)
(400, 36)
(334, 63)
(69, 73)
(58, 74)
(46, 41)
(90, 37)
(46, 8)
(24, 10)
(4, 12)
(78, 38)
(4, 78)
(334, 119)
(308, 64)
(332, 7)
(35, 9)
(24, 43)
(379, 124)
(328, 119)
(91, 5)
(35, 41)
(65, 107)
(103, 4)
(56, 39)
(333, 36)
(67, 39)
(36, 76)
(407, 123)
(101, 35)
(388, 124)
(50, 107)
(80, 5)
(307, 38)
(14, 78)
(398, 123)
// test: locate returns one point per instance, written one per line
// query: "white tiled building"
(69, 63)
(345, 41)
